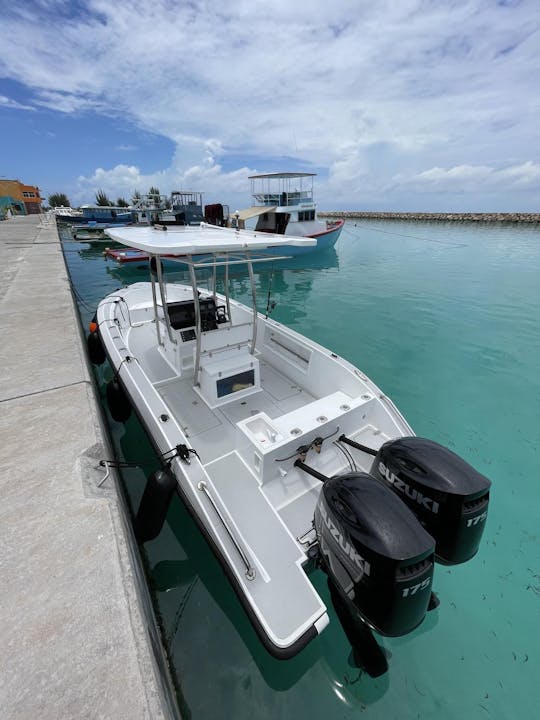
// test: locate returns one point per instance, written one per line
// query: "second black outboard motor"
(375, 552)
(447, 495)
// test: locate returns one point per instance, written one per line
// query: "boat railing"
(250, 570)
(152, 201)
(182, 199)
(284, 199)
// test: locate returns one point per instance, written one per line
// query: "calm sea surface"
(445, 318)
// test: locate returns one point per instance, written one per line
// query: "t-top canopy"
(203, 238)
(281, 176)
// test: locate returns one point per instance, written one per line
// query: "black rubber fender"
(154, 504)
(117, 400)
(96, 351)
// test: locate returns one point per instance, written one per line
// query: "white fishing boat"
(66, 215)
(284, 204)
(285, 453)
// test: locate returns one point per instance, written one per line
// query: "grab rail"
(250, 571)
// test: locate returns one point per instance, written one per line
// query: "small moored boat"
(284, 204)
(108, 214)
(285, 453)
(93, 230)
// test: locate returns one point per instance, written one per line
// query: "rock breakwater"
(434, 217)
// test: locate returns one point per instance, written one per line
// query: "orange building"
(27, 194)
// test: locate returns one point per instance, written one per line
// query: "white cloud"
(470, 178)
(122, 180)
(525, 175)
(13, 104)
(368, 90)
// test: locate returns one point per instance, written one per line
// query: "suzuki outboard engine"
(375, 552)
(448, 496)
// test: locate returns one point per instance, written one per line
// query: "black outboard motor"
(447, 495)
(375, 552)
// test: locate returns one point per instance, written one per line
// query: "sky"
(403, 105)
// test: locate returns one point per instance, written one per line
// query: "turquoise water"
(445, 319)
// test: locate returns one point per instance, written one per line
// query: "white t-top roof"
(203, 238)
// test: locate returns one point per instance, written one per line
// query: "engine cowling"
(375, 552)
(448, 496)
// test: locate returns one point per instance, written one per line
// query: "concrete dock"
(76, 637)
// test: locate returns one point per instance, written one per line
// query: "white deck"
(285, 595)
(213, 431)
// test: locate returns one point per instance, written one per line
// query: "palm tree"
(122, 203)
(59, 200)
(102, 199)
(154, 196)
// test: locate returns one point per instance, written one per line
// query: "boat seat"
(228, 375)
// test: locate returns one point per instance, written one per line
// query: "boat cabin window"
(305, 215)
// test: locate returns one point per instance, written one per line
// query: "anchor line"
(81, 300)
(127, 359)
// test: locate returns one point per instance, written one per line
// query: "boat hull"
(325, 239)
(280, 600)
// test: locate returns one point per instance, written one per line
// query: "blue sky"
(428, 105)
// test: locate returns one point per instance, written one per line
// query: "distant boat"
(187, 207)
(106, 214)
(127, 255)
(285, 206)
(94, 214)
(94, 230)
(65, 214)
(182, 207)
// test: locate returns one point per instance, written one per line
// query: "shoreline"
(434, 217)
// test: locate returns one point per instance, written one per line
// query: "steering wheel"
(221, 314)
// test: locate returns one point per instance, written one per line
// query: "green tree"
(122, 203)
(154, 195)
(59, 200)
(135, 197)
(102, 199)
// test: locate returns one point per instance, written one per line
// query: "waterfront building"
(25, 199)
(16, 207)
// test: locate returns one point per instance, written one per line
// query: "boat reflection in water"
(294, 276)
(131, 272)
